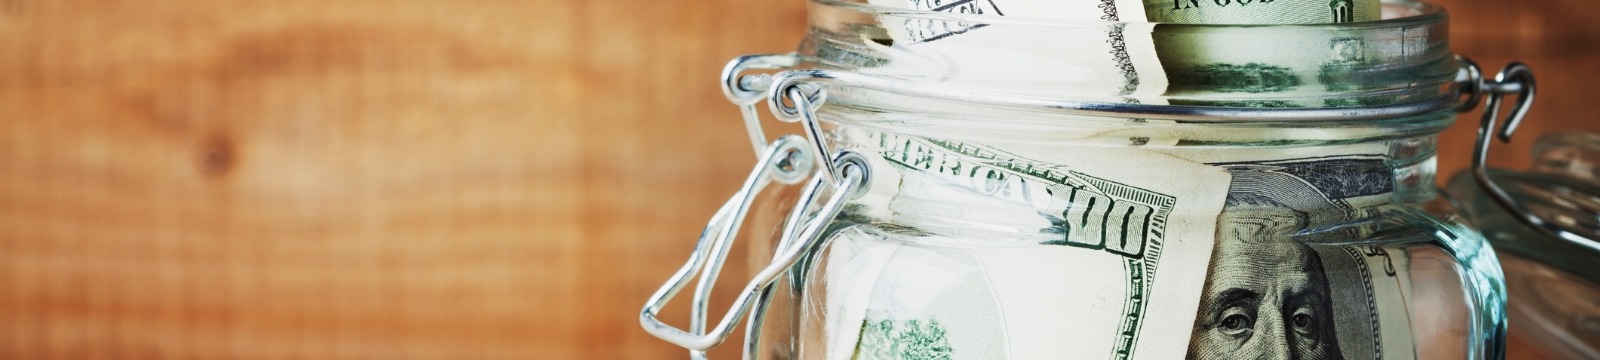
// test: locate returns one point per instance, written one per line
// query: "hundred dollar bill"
(1020, 253)
(1288, 275)
(1115, 60)
(1372, 297)
(1238, 67)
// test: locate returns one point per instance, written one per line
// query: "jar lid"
(1553, 285)
(1563, 189)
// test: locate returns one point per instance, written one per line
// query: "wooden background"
(393, 179)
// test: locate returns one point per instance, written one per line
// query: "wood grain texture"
(365, 179)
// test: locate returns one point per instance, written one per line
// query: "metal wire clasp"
(746, 91)
(787, 160)
(710, 253)
(1516, 79)
(789, 99)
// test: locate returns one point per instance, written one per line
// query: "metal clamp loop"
(805, 109)
(746, 91)
(1516, 79)
(711, 251)
(749, 90)
(1469, 83)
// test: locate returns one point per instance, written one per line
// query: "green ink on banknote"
(908, 339)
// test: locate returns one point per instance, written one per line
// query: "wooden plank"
(357, 179)
(364, 179)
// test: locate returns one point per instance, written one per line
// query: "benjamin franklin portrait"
(1266, 295)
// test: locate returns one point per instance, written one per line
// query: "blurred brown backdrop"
(389, 179)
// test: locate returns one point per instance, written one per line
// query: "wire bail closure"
(1515, 79)
(711, 251)
(746, 91)
(788, 160)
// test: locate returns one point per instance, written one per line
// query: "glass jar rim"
(1401, 63)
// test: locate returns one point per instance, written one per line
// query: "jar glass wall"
(1003, 220)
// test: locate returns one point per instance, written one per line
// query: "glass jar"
(1551, 277)
(1028, 188)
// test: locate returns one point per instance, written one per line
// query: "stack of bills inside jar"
(1114, 47)
(1018, 251)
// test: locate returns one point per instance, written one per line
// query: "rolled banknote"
(1324, 67)
(1261, 11)
(1097, 62)
(1162, 11)
(1135, 57)
(1286, 279)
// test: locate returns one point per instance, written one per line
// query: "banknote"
(1027, 253)
(970, 256)
(1287, 277)
(1162, 11)
(980, 252)
(1261, 11)
(1141, 51)
(1239, 67)
(1108, 59)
